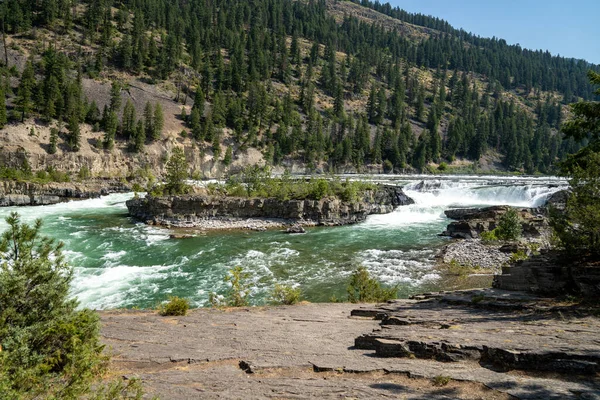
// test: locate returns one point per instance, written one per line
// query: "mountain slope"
(304, 85)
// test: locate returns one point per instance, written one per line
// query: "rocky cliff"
(14, 193)
(193, 210)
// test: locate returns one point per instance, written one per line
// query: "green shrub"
(175, 306)
(84, 173)
(364, 289)
(488, 236)
(238, 293)
(509, 226)
(319, 189)
(518, 256)
(442, 167)
(257, 182)
(388, 167)
(284, 294)
(130, 389)
(441, 380)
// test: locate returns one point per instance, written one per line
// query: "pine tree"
(338, 104)
(372, 105)
(111, 123)
(420, 105)
(216, 147)
(115, 97)
(128, 121)
(53, 141)
(41, 323)
(228, 156)
(139, 137)
(199, 100)
(195, 124)
(24, 99)
(74, 133)
(157, 122)
(176, 172)
(149, 120)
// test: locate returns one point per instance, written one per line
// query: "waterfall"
(433, 196)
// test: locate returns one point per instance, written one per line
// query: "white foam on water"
(116, 285)
(433, 196)
(405, 216)
(154, 236)
(73, 255)
(114, 255)
(412, 267)
(63, 210)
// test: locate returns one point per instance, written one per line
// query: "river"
(122, 263)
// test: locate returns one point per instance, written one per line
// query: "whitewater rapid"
(119, 262)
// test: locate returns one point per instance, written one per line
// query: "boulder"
(296, 228)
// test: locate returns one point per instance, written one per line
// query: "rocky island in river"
(211, 211)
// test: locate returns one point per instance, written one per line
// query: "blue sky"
(569, 28)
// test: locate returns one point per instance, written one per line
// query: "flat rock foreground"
(475, 344)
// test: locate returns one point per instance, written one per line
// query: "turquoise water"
(121, 263)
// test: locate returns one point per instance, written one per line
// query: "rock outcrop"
(14, 193)
(503, 330)
(193, 210)
(318, 351)
(549, 273)
(471, 222)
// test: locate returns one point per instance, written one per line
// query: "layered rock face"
(33, 194)
(471, 222)
(191, 210)
(550, 273)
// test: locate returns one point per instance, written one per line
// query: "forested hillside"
(113, 86)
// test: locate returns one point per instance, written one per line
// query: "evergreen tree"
(199, 100)
(338, 103)
(157, 122)
(420, 105)
(149, 120)
(111, 124)
(176, 172)
(53, 141)
(74, 133)
(24, 99)
(50, 348)
(115, 97)
(139, 137)
(128, 121)
(228, 156)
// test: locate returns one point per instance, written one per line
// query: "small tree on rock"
(509, 226)
(177, 172)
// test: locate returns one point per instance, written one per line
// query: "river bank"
(16, 193)
(437, 346)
